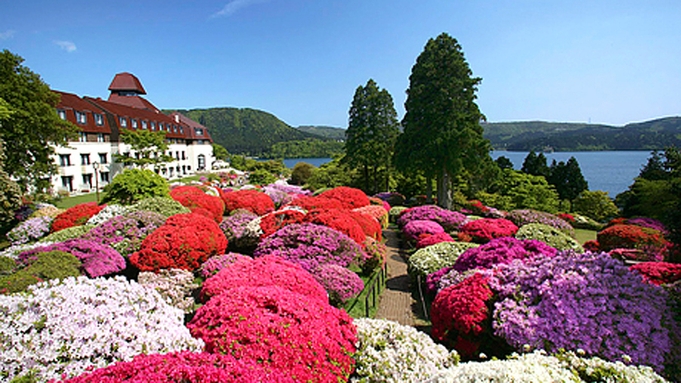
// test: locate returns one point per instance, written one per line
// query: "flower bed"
(524, 216)
(433, 258)
(449, 220)
(485, 229)
(550, 236)
(251, 200)
(75, 216)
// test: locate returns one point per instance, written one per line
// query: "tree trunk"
(366, 178)
(429, 189)
(444, 198)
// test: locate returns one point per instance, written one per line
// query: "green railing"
(372, 290)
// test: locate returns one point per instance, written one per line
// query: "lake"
(609, 171)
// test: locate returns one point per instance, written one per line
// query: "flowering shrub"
(376, 254)
(274, 326)
(252, 200)
(568, 301)
(501, 250)
(185, 367)
(370, 225)
(185, 241)
(125, 233)
(340, 283)
(97, 259)
(524, 216)
(268, 270)
(75, 216)
(550, 236)
(163, 205)
(415, 229)
(448, 278)
(234, 227)
(449, 220)
(272, 222)
(279, 197)
(658, 273)
(47, 211)
(392, 198)
(65, 234)
(460, 314)
(316, 202)
(45, 266)
(393, 353)
(426, 240)
(311, 246)
(379, 213)
(107, 213)
(30, 230)
(591, 245)
(13, 252)
(175, 286)
(216, 263)
(194, 198)
(339, 220)
(395, 212)
(567, 217)
(433, 258)
(485, 229)
(70, 326)
(350, 198)
(651, 241)
(650, 223)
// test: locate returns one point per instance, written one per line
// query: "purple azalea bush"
(235, 228)
(125, 233)
(449, 220)
(30, 230)
(311, 246)
(414, 229)
(649, 223)
(501, 251)
(588, 302)
(214, 264)
(522, 217)
(97, 259)
(339, 282)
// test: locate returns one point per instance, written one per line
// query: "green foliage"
(504, 162)
(150, 148)
(133, 185)
(32, 126)
(308, 148)
(567, 178)
(7, 265)
(549, 235)
(337, 134)
(10, 195)
(330, 175)
(371, 136)
(49, 265)
(645, 198)
(301, 173)
(595, 204)
(442, 133)
(261, 177)
(220, 153)
(65, 234)
(410, 184)
(517, 190)
(165, 206)
(536, 165)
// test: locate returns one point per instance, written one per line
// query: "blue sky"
(611, 62)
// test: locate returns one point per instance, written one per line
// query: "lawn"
(584, 235)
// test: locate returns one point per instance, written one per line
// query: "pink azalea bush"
(97, 259)
(216, 263)
(341, 283)
(449, 220)
(413, 230)
(485, 229)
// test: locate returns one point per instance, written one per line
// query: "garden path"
(397, 302)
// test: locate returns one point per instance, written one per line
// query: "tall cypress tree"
(442, 132)
(535, 164)
(567, 179)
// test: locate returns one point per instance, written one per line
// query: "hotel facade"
(90, 162)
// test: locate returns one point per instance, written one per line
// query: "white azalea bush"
(435, 257)
(79, 323)
(393, 353)
(107, 213)
(176, 286)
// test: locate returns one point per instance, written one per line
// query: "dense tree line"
(308, 148)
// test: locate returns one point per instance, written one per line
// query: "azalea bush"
(175, 286)
(316, 202)
(66, 234)
(108, 212)
(524, 216)
(75, 216)
(627, 236)
(96, 259)
(369, 225)
(340, 220)
(350, 198)
(393, 353)
(165, 206)
(485, 229)
(274, 221)
(216, 263)
(650, 223)
(125, 233)
(30, 230)
(185, 241)
(433, 258)
(340, 283)
(426, 240)
(449, 220)
(416, 229)
(251, 200)
(43, 267)
(395, 212)
(46, 210)
(194, 198)
(550, 236)
(658, 273)
(376, 254)
(501, 251)
(234, 227)
(279, 328)
(268, 270)
(392, 198)
(379, 213)
(70, 326)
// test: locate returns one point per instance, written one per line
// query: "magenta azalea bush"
(311, 246)
(501, 251)
(340, 283)
(413, 230)
(449, 220)
(97, 259)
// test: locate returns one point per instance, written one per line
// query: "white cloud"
(66, 45)
(6, 34)
(234, 6)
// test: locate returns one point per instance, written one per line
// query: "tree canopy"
(567, 178)
(149, 147)
(442, 132)
(535, 164)
(32, 127)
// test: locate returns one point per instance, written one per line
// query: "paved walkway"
(397, 302)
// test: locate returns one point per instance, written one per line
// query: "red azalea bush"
(185, 241)
(276, 327)
(75, 216)
(194, 198)
(569, 218)
(649, 240)
(316, 202)
(658, 273)
(339, 220)
(350, 198)
(251, 200)
(269, 270)
(378, 212)
(592, 246)
(485, 229)
(460, 314)
(186, 367)
(426, 240)
(369, 224)
(278, 219)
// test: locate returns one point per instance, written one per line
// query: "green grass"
(584, 235)
(68, 202)
(356, 306)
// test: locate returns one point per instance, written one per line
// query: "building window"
(61, 113)
(104, 177)
(100, 137)
(170, 172)
(82, 137)
(202, 161)
(174, 128)
(103, 158)
(64, 160)
(199, 142)
(160, 126)
(181, 129)
(123, 121)
(85, 158)
(67, 182)
(133, 122)
(144, 124)
(153, 125)
(199, 132)
(87, 180)
(177, 155)
(81, 118)
(99, 119)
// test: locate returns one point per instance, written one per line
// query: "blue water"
(608, 171)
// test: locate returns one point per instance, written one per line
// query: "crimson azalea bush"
(414, 229)
(427, 239)
(269, 270)
(75, 216)
(97, 259)
(194, 198)
(184, 242)
(185, 367)
(625, 236)
(658, 273)
(249, 199)
(316, 202)
(485, 229)
(339, 220)
(276, 327)
(274, 221)
(350, 198)
(311, 246)
(449, 220)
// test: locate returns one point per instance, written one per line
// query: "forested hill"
(540, 135)
(324, 131)
(246, 131)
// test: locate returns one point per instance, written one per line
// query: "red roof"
(70, 104)
(194, 127)
(133, 101)
(126, 82)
